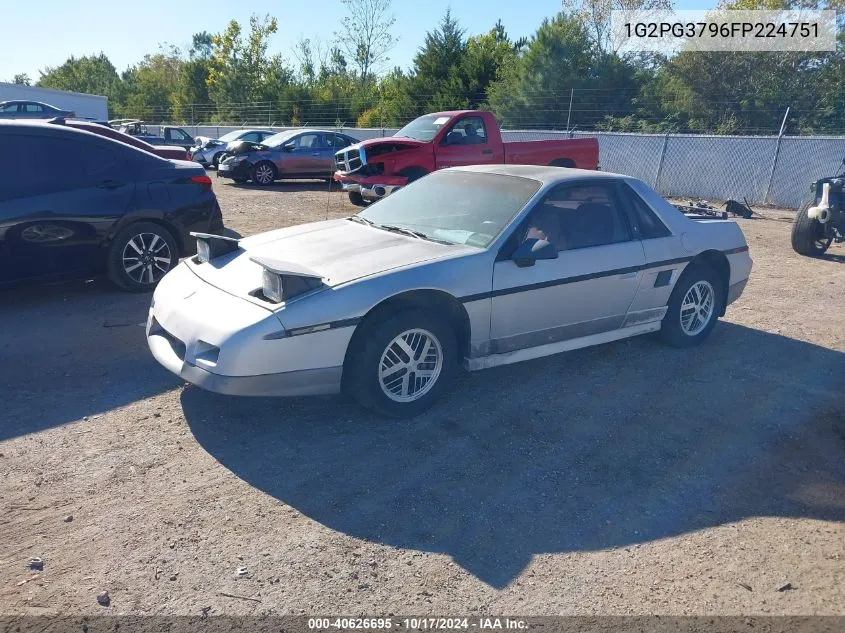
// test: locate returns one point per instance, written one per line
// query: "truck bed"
(583, 152)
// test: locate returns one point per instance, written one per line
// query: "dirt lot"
(628, 478)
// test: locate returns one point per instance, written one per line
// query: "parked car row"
(113, 206)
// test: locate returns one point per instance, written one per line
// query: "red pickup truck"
(375, 168)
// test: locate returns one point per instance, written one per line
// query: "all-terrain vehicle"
(821, 220)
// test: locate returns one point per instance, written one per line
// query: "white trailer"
(85, 106)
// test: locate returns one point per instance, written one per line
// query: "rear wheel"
(694, 307)
(406, 362)
(264, 173)
(808, 234)
(140, 255)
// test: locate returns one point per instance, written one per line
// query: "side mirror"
(288, 147)
(531, 250)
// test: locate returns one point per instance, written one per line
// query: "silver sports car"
(474, 266)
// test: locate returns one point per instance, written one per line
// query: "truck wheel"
(140, 255)
(357, 199)
(414, 173)
(264, 173)
(808, 234)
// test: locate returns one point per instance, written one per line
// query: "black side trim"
(320, 327)
(734, 251)
(571, 280)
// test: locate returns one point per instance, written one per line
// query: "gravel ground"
(626, 478)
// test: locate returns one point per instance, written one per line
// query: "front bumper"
(371, 188)
(238, 171)
(228, 345)
(735, 290)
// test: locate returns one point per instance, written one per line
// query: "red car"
(373, 169)
(176, 153)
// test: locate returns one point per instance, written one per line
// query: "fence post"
(766, 197)
(660, 164)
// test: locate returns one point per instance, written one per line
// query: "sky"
(47, 32)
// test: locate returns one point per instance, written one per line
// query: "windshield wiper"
(358, 218)
(418, 234)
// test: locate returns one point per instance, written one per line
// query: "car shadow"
(72, 349)
(292, 185)
(599, 448)
(832, 257)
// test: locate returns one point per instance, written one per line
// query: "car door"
(587, 290)
(466, 143)
(306, 157)
(66, 192)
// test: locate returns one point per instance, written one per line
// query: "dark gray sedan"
(31, 110)
(290, 154)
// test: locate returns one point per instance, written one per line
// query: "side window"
(252, 137)
(468, 130)
(9, 107)
(579, 216)
(96, 160)
(648, 224)
(178, 135)
(33, 107)
(38, 155)
(308, 141)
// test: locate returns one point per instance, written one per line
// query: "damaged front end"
(368, 169)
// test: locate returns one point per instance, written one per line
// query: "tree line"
(565, 75)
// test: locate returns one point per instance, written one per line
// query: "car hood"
(339, 251)
(389, 144)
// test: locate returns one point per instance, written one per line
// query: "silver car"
(289, 154)
(208, 151)
(475, 266)
(31, 110)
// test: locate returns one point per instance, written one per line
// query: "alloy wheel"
(146, 258)
(697, 308)
(410, 365)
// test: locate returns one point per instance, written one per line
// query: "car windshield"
(424, 128)
(231, 136)
(278, 139)
(460, 207)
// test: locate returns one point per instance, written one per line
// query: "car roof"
(27, 101)
(546, 174)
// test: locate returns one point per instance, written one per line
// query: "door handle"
(110, 184)
(487, 151)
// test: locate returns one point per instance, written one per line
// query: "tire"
(215, 160)
(808, 234)
(381, 346)
(239, 181)
(136, 244)
(264, 173)
(357, 199)
(414, 173)
(685, 330)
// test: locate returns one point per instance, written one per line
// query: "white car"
(474, 266)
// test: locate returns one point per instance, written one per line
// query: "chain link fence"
(762, 169)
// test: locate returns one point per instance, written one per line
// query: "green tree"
(22, 79)
(366, 38)
(94, 74)
(152, 86)
(437, 81)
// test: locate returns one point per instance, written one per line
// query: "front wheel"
(808, 234)
(264, 173)
(140, 255)
(357, 199)
(406, 362)
(694, 307)
(216, 159)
